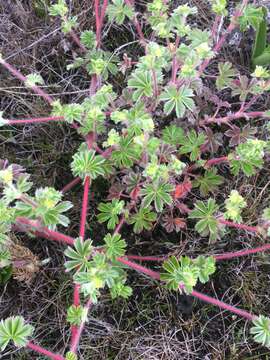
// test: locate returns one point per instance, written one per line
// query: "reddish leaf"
(181, 190)
(135, 193)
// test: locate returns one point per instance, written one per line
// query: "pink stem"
(97, 22)
(71, 184)
(35, 120)
(76, 294)
(156, 275)
(245, 314)
(239, 226)
(77, 41)
(137, 24)
(216, 161)
(119, 226)
(22, 78)
(45, 232)
(103, 13)
(238, 115)
(40, 350)
(228, 31)
(153, 274)
(76, 338)
(175, 63)
(146, 258)
(236, 254)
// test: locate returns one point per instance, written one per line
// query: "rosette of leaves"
(157, 192)
(142, 220)
(234, 205)
(76, 315)
(16, 330)
(248, 157)
(126, 153)
(87, 163)
(191, 144)
(261, 330)
(207, 224)
(179, 100)
(109, 212)
(208, 182)
(184, 273)
(47, 206)
(78, 255)
(118, 11)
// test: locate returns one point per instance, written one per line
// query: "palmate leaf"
(59, 9)
(157, 192)
(186, 272)
(143, 219)
(209, 182)
(191, 144)
(177, 99)
(119, 289)
(207, 224)
(226, 74)
(14, 329)
(110, 212)
(76, 314)
(127, 152)
(173, 135)
(115, 246)
(87, 163)
(78, 255)
(33, 80)
(88, 39)
(141, 82)
(252, 16)
(118, 11)
(248, 156)
(234, 205)
(180, 272)
(261, 330)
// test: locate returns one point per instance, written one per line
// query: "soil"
(154, 324)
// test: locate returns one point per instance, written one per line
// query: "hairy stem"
(35, 120)
(40, 350)
(236, 254)
(237, 115)
(216, 161)
(16, 73)
(239, 226)
(71, 184)
(137, 25)
(76, 338)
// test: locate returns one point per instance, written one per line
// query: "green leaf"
(209, 182)
(191, 144)
(59, 9)
(141, 82)
(248, 156)
(3, 121)
(88, 39)
(252, 16)
(219, 7)
(71, 356)
(120, 290)
(234, 205)
(69, 24)
(76, 315)
(206, 266)
(33, 80)
(118, 11)
(180, 272)
(261, 330)
(143, 219)
(87, 163)
(226, 74)
(157, 192)
(14, 329)
(172, 135)
(207, 224)
(260, 38)
(127, 152)
(78, 255)
(115, 246)
(178, 99)
(110, 212)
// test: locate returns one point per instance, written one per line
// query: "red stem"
(71, 184)
(223, 38)
(35, 120)
(77, 41)
(175, 63)
(137, 24)
(156, 275)
(236, 254)
(76, 338)
(22, 78)
(237, 115)
(239, 226)
(40, 350)
(97, 22)
(146, 258)
(210, 300)
(216, 161)
(45, 232)
(76, 293)
(119, 226)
